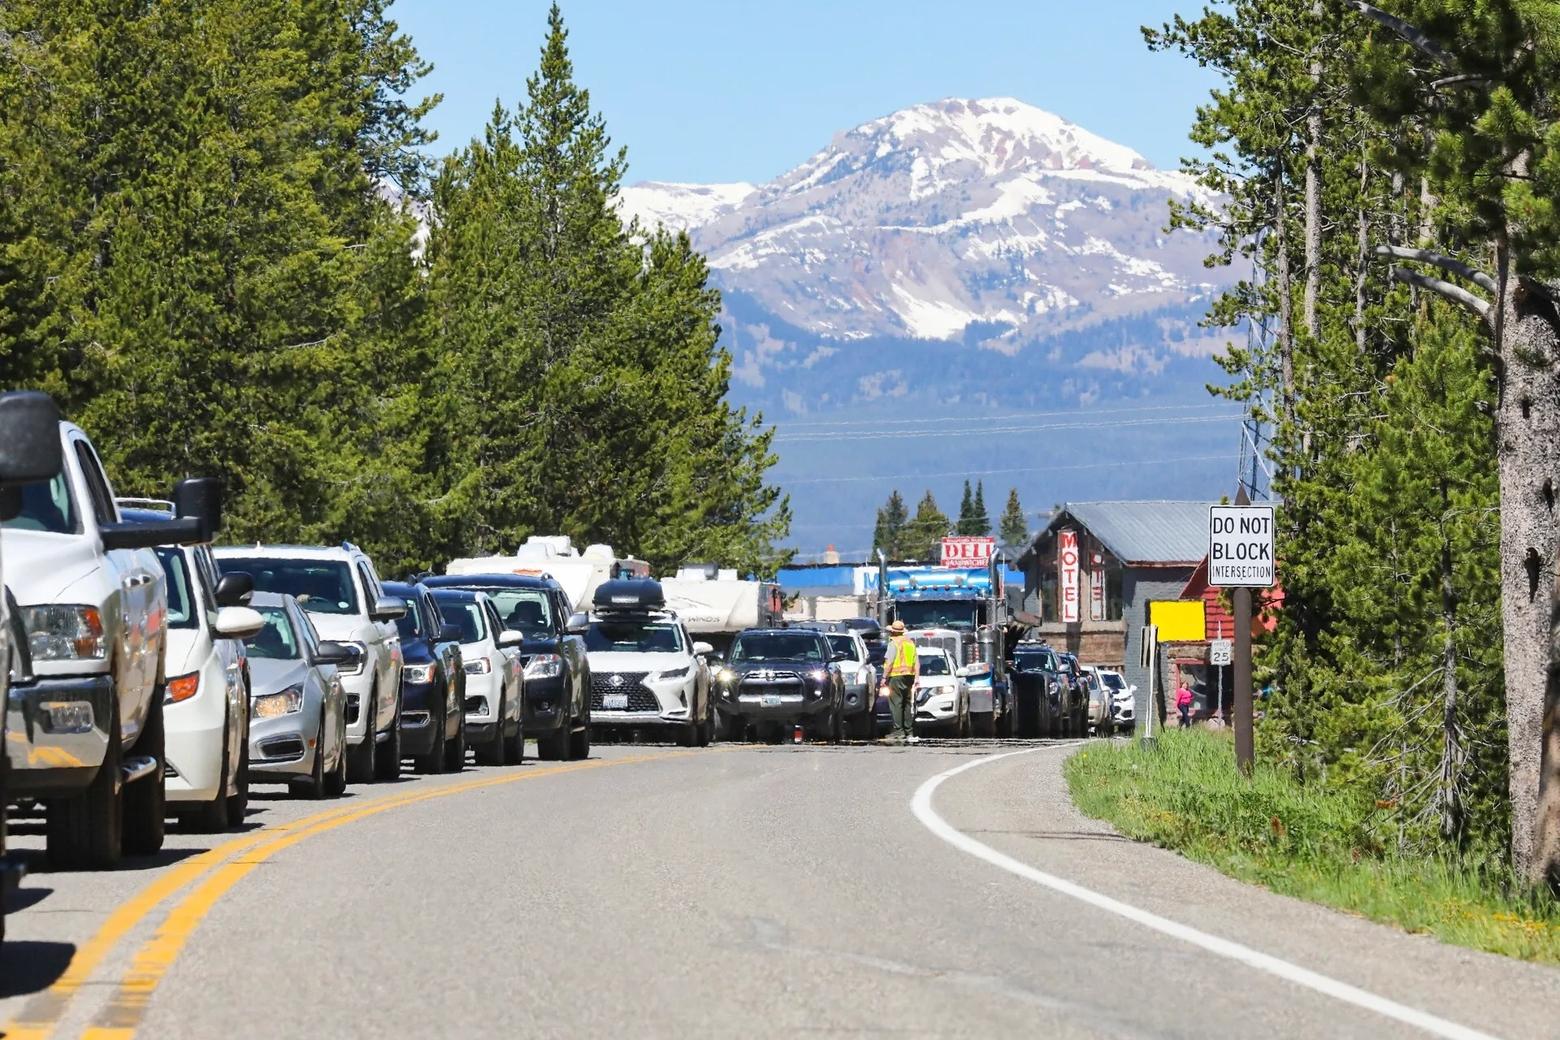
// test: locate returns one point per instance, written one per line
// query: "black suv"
(433, 683)
(776, 679)
(1046, 701)
(557, 676)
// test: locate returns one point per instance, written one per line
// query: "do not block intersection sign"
(1240, 547)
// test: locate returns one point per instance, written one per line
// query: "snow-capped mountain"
(989, 222)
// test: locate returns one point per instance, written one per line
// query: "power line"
(786, 424)
(987, 430)
(1000, 472)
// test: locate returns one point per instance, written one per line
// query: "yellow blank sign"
(1179, 620)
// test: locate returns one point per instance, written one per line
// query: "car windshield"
(523, 610)
(321, 586)
(959, 616)
(46, 506)
(410, 624)
(777, 646)
(466, 616)
(633, 637)
(276, 641)
(181, 601)
(1113, 680)
(844, 645)
(1034, 661)
(932, 664)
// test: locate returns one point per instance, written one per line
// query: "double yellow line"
(217, 870)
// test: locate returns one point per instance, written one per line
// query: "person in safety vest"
(899, 664)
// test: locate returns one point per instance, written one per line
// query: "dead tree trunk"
(1313, 186)
(1451, 735)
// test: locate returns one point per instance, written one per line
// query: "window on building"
(1049, 608)
(1114, 604)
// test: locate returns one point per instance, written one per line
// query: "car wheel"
(579, 743)
(336, 781)
(360, 758)
(730, 727)
(517, 743)
(238, 802)
(313, 785)
(707, 727)
(492, 753)
(434, 761)
(146, 805)
(455, 750)
(87, 831)
(212, 817)
(387, 756)
(965, 726)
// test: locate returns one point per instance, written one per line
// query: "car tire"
(387, 756)
(966, 725)
(238, 802)
(336, 779)
(492, 753)
(983, 724)
(87, 832)
(312, 786)
(517, 743)
(212, 817)
(455, 750)
(437, 757)
(730, 728)
(579, 743)
(360, 759)
(146, 804)
(554, 747)
(707, 727)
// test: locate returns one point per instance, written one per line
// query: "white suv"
(340, 590)
(645, 671)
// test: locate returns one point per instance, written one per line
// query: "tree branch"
(1411, 35)
(1446, 290)
(1441, 260)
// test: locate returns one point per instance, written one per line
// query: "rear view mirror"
(339, 654)
(388, 608)
(702, 649)
(509, 637)
(238, 623)
(29, 445)
(200, 499)
(578, 623)
(234, 589)
(449, 633)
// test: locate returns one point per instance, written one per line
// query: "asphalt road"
(753, 891)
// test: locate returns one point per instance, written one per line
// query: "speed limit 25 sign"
(1240, 547)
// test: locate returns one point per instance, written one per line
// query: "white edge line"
(921, 806)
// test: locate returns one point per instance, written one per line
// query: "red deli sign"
(968, 550)
(1068, 571)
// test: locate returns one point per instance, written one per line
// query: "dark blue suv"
(557, 676)
(433, 683)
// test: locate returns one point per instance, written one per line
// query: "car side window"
(305, 626)
(97, 485)
(208, 593)
(371, 591)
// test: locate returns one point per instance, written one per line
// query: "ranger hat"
(897, 628)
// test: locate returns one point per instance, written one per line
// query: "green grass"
(1186, 795)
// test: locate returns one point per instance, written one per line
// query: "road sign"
(1068, 570)
(967, 550)
(1240, 547)
(1221, 652)
(1150, 642)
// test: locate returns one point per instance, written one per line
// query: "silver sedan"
(297, 707)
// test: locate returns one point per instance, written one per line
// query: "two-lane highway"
(739, 890)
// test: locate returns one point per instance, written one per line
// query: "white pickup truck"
(29, 452)
(85, 737)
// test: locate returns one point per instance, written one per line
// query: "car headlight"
(818, 675)
(675, 673)
(275, 705)
(725, 675)
(544, 666)
(354, 668)
(63, 632)
(421, 674)
(922, 697)
(481, 666)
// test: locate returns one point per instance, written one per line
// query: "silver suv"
(340, 590)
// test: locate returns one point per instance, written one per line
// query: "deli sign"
(1068, 572)
(968, 550)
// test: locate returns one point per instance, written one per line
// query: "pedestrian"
(1183, 705)
(899, 660)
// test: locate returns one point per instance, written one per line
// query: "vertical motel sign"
(1068, 572)
(1097, 587)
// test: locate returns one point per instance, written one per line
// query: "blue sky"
(702, 90)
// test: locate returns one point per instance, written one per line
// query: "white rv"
(554, 554)
(715, 604)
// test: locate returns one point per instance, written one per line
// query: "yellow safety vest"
(901, 659)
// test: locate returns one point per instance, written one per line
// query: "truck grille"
(784, 683)
(631, 683)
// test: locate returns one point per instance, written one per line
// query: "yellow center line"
(42, 1014)
(122, 1016)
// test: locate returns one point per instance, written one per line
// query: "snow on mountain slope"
(680, 206)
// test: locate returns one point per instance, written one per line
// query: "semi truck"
(962, 611)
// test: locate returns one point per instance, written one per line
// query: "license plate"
(615, 702)
(771, 700)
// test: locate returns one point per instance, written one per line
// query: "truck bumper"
(56, 733)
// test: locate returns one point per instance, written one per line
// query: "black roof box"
(630, 594)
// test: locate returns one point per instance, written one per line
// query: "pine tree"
(924, 533)
(966, 512)
(1013, 528)
(889, 534)
(980, 520)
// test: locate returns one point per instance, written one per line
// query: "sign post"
(1150, 661)
(1240, 557)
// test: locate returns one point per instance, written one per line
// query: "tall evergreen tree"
(1013, 528)
(888, 535)
(980, 520)
(924, 533)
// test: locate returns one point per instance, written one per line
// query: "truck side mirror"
(200, 499)
(29, 445)
(578, 623)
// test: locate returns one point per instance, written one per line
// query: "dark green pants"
(901, 702)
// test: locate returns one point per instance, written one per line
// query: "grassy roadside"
(1185, 795)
